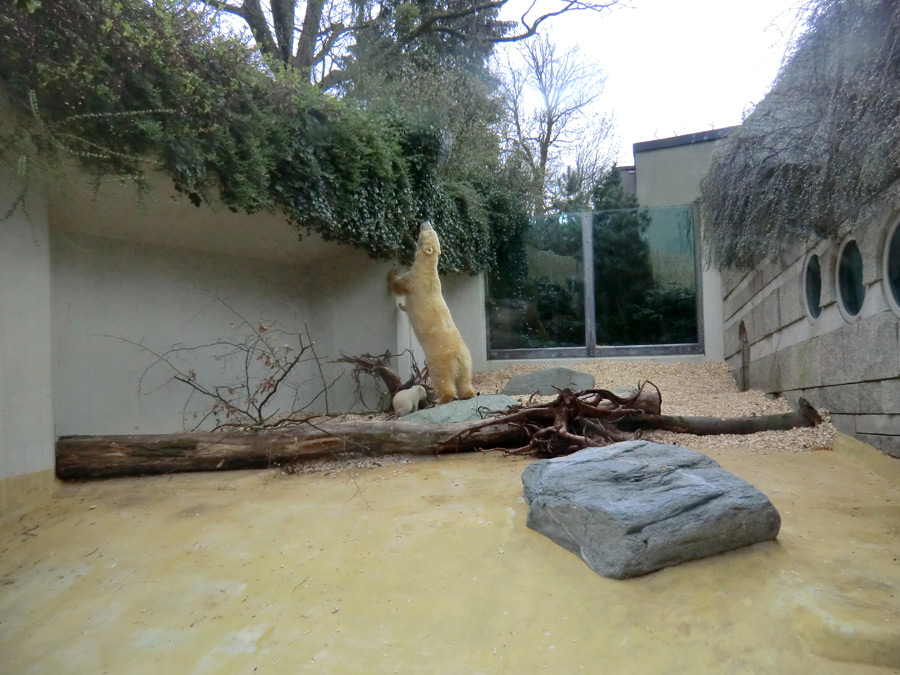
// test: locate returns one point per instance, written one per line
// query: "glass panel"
(892, 266)
(850, 279)
(645, 282)
(536, 297)
(814, 287)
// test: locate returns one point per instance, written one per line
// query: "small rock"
(460, 411)
(544, 381)
(635, 507)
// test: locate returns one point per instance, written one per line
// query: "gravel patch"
(698, 389)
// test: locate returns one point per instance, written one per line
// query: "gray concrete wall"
(110, 294)
(465, 297)
(352, 313)
(26, 401)
(88, 277)
(851, 367)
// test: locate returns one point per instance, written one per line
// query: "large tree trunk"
(86, 457)
(807, 416)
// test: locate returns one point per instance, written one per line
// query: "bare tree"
(572, 189)
(316, 44)
(549, 102)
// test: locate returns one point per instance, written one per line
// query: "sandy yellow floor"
(429, 568)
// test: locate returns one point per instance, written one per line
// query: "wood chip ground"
(701, 389)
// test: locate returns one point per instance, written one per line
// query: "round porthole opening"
(851, 290)
(892, 268)
(812, 285)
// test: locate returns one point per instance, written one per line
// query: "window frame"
(804, 280)
(839, 296)
(892, 300)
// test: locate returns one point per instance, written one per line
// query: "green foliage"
(545, 307)
(631, 306)
(822, 145)
(622, 267)
(126, 86)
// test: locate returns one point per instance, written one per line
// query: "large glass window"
(812, 285)
(594, 283)
(645, 282)
(892, 268)
(851, 290)
(536, 301)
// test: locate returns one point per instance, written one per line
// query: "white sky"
(678, 66)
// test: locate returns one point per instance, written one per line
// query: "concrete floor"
(428, 568)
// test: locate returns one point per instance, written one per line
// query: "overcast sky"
(679, 66)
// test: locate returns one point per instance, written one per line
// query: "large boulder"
(635, 507)
(461, 411)
(544, 381)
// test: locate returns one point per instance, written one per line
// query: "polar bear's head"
(429, 244)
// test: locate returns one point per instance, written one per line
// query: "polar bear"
(407, 401)
(446, 355)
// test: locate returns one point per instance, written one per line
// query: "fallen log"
(806, 416)
(89, 457)
(572, 422)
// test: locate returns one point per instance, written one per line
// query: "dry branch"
(379, 367)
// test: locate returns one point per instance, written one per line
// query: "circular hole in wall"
(891, 268)
(851, 290)
(812, 286)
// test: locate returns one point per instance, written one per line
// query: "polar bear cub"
(446, 355)
(407, 401)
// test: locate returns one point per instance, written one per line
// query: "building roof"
(686, 139)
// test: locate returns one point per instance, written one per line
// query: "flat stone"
(635, 507)
(460, 411)
(544, 381)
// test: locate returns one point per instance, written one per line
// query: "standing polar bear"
(446, 355)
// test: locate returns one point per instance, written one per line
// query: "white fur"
(446, 355)
(407, 401)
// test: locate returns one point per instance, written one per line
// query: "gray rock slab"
(460, 411)
(632, 508)
(544, 381)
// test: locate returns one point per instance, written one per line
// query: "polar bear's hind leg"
(444, 385)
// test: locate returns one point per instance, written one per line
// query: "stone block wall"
(849, 365)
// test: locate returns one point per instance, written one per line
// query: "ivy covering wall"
(126, 87)
(822, 144)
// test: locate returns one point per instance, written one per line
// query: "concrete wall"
(668, 173)
(88, 277)
(465, 297)
(151, 270)
(109, 294)
(849, 366)
(26, 402)
(351, 313)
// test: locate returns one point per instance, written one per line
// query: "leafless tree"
(327, 30)
(549, 102)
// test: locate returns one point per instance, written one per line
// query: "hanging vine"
(820, 146)
(125, 87)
